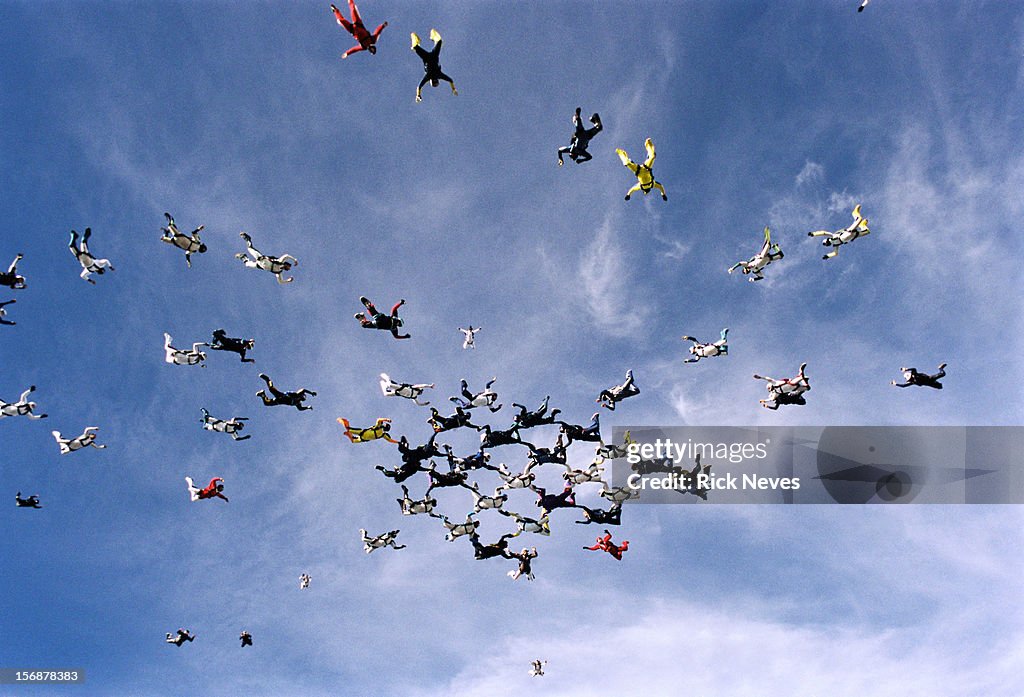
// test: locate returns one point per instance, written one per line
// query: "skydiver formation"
(419, 459)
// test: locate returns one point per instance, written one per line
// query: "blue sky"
(243, 117)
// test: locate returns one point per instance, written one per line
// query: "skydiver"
(180, 637)
(176, 356)
(255, 259)
(367, 41)
(525, 559)
(493, 438)
(87, 439)
(30, 502)
(381, 540)
(246, 638)
(22, 407)
(230, 426)
(364, 435)
(495, 549)
(431, 64)
(485, 398)
(10, 278)
(223, 342)
(858, 228)
(390, 388)
(304, 581)
(459, 419)
(613, 516)
(555, 455)
(190, 243)
(605, 544)
(549, 502)
(786, 391)
(419, 453)
(577, 148)
(537, 668)
(3, 313)
(645, 181)
(613, 395)
(768, 253)
(378, 320)
(913, 377)
(212, 490)
(591, 433)
(289, 399)
(537, 417)
(470, 337)
(90, 264)
(412, 506)
(699, 350)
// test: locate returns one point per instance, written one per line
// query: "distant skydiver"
(90, 264)
(223, 342)
(577, 148)
(390, 388)
(22, 407)
(367, 41)
(555, 455)
(699, 350)
(863, 4)
(385, 539)
(913, 377)
(246, 638)
(431, 64)
(786, 391)
(605, 544)
(230, 426)
(257, 260)
(537, 668)
(288, 399)
(304, 581)
(525, 566)
(180, 637)
(482, 501)
(87, 439)
(3, 313)
(10, 278)
(30, 502)
(364, 435)
(378, 320)
(858, 228)
(645, 181)
(756, 264)
(613, 395)
(190, 243)
(212, 490)
(592, 473)
(176, 356)
(470, 336)
(456, 530)
(524, 524)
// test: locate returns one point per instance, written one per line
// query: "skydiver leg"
(632, 191)
(649, 146)
(582, 156)
(354, 11)
(442, 76)
(658, 185)
(565, 150)
(419, 89)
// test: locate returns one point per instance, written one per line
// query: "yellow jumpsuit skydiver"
(644, 175)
